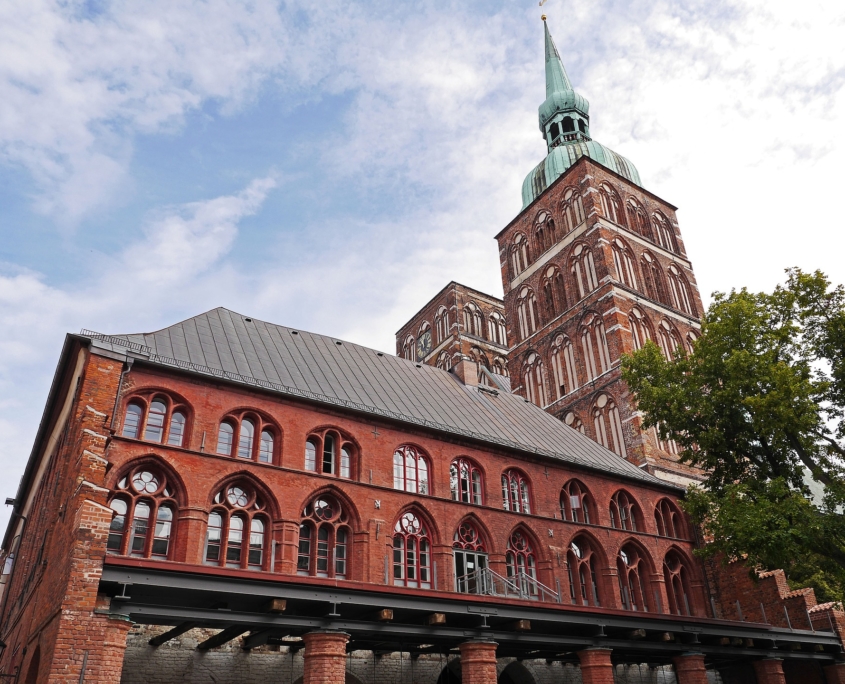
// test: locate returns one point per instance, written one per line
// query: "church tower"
(592, 267)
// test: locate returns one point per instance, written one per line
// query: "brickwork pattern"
(596, 667)
(689, 669)
(769, 671)
(478, 662)
(325, 657)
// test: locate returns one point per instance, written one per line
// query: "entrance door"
(469, 572)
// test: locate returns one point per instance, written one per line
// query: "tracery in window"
(611, 205)
(665, 233)
(496, 326)
(237, 528)
(638, 220)
(677, 577)
(465, 481)
(144, 513)
(519, 255)
(554, 291)
(594, 346)
(584, 270)
(444, 360)
(516, 494)
(156, 414)
(670, 446)
(330, 453)
(526, 310)
(668, 339)
(653, 278)
(668, 520)
(441, 323)
(325, 539)
(477, 355)
(534, 380)
(608, 425)
(473, 324)
(500, 366)
(410, 470)
(157, 417)
(574, 422)
(411, 552)
(624, 513)
(582, 568)
(632, 571)
(237, 436)
(623, 259)
(680, 292)
(640, 328)
(522, 563)
(470, 554)
(409, 348)
(544, 232)
(576, 504)
(572, 210)
(563, 366)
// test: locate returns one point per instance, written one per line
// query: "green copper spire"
(565, 123)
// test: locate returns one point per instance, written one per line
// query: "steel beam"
(223, 637)
(178, 630)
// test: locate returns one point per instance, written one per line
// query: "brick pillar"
(596, 667)
(325, 657)
(835, 674)
(689, 668)
(769, 671)
(478, 662)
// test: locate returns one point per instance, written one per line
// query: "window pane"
(235, 541)
(224, 439)
(245, 438)
(410, 472)
(310, 456)
(177, 429)
(345, 462)
(212, 544)
(328, 454)
(398, 471)
(161, 538)
(118, 524)
(132, 421)
(155, 422)
(323, 551)
(303, 561)
(266, 453)
(423, 471)
(256, 542)
(340, 554)
(140, 528)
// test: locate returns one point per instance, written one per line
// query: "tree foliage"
(760, 405)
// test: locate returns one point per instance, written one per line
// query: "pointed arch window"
(574, 422)
(554, 292)
(608, 425)
(441, 323)
(157, 418)
(563, 366)
(679, 290)
(237, 529)
(692, 338)
(470, 554)
(409, 349)
(144, 514)
(519, 255)
(576, 504)
(640, 329)
(516, 494)
(611, 205)
(329, 453)
(668, 520)
(665, 232)
(623, 260)
(632, 571)
(653, 278)
(668, 338)
(638, 220)
(526, 308)
(522, 564)
(411, 552)
(465, 481)
(624, 513)
(572, 210)
(496, 326)
(676, 575)
(582, 570)
(670, 446)
(594, 346)
(500, 366)
(473, 320)
(584, 270)
(410, 470)
(544, 231)
(237, 436)
(444, 361)
(534, 379)
(324, 539)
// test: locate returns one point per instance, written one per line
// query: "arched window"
(594, 346)
(496, 326)
(624, 513)
(668, 338)
(477, 355)
(329, 453)
(640, 329)
(473, 320)
(526, 309)
(500, 366)
(679, 289)
(670, 446)
(516, 495)
(156, 417)
(441, 322)
(465, 481)
(572, 210)
(519, 255)
(236, 535)
(638, 220)
(410, 470)
(144, 513)
(676, 575)
(563, 366)
(534, 379)
(324, 539)
(665, 233)
(692, 337)
(444, 361)
(574, 422)
(470, 555)
(653, 278)
(409, 348)
(668, 520)
(411, 552)
(623, 259)
(544, 231)
(611, 205)
(576, 504)
(522, 564)
(554, 292)
(582, 567)
(632, 570)
(584, 270)
(241, 429)
(608, 425)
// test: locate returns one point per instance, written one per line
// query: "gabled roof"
(243, 350)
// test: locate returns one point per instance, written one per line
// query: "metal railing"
(522, 585)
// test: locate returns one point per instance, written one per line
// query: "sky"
(330, 166)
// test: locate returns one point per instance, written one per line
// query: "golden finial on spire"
(543, 17)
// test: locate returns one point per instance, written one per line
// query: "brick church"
(230, 500)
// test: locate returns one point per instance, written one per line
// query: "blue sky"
(331, 165)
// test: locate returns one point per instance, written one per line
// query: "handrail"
(490, 583)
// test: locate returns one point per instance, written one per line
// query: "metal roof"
(244, 350)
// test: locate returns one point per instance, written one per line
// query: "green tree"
(758, 404)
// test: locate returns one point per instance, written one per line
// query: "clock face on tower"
(424, 345)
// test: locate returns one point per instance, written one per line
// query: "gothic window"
(479, 356)
(640, 330)
(670, 446)
(554, 291)
(668, 339)
(473, 320)
(582, 567)
(572, 210)
(144, 512)
(574, 422)
(544, 231)
(608, 425)
(444, 361)
(667, 518)
(534, 379)
(522, 564)
(623, 259)
(676, 576)
(611, 205)
(679, 289)
(236, 535)
(246, 435)
(563, 366)
(638, 220)
(653, 278)
(500, 366)
(327, 452)
(519, 255)
(516, 495)
(526, 309)
(324, 539)
(441, 323)
(465, 481)
(496, 326)
(409, 349)
(692, 337)
(411, 552)
(624, 513)
(576, 504)
(410, 470)
(632, 570)
(157, 418)
(594, 346)
(665, 233)
(584, 270)
(470, 554)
